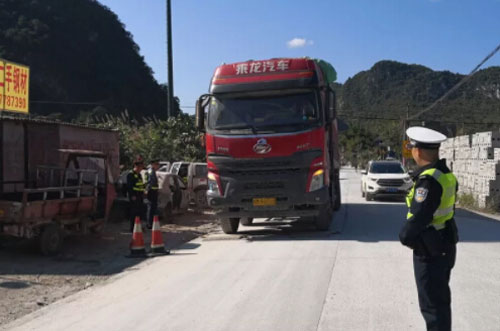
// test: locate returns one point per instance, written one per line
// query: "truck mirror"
(200, 114)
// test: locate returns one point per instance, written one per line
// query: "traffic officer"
(430, 229)
(135, 190)
(152, 191)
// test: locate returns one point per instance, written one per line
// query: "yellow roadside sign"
(2, 76)
(406, 150)
(14, 87)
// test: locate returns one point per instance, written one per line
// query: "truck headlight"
(213, 184)
(372, 179)
(317, 180)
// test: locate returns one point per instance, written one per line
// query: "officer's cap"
(425, 138)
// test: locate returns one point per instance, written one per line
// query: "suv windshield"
(386, 168)
(276, 113)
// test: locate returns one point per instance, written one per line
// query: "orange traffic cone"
(157, 246)
(137, 244)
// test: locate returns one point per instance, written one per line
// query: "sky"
(352, 35)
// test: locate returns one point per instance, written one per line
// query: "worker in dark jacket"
(430, 229)
(152, 191)
(135, 190)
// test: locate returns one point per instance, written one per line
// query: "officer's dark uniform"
(434, 247)
(135, 189)
(152, 195)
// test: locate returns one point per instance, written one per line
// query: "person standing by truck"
(430, 229)
(135, 190)
(152, 191)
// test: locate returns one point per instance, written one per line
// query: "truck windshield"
(276, 113)
(387, 168)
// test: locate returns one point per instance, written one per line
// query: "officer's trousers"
(136, 208)
(432, 275)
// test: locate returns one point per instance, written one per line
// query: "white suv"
(385, 178)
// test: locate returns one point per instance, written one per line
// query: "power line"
(460, 83)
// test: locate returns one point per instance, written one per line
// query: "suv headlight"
(408, 180)
(317, 180)
(372, 179)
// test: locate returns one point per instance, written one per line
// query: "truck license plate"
(392, 190)
(264, 201)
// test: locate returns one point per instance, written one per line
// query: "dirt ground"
(29, 281)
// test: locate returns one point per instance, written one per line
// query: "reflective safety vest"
(139, 184)
(152, 181)
(446, 209)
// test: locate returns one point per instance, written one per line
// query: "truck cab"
(271, 141)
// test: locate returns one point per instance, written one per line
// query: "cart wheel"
(50, 239)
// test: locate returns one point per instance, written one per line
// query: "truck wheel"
(368, 197)
(50, 239)
(229, 225)
(338, 201)
(246, 221)
(324, 219)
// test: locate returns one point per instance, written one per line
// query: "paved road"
(355, 277)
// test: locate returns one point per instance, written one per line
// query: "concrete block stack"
(475, 161)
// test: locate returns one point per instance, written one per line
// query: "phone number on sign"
(15, 102)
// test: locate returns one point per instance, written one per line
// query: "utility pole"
(170, 101)
(405, 126)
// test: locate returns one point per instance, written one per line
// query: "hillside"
(79, 52)
(388, 87)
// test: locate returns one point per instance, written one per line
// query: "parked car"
(180, 169)
(194, 176)
(197, 185)
(164, 166)
(385, 178)
(173, 195)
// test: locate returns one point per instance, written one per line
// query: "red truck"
(271, 141)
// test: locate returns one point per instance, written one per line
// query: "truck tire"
(246, 221)
(50, 240)
(229, 225)
(324, 219)
(368, 197)
(338, 201)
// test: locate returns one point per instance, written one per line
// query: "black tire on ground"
(168, 213)
(229, 225)
(50, 240)
(368, 197)
(246, 221)
(324, 219)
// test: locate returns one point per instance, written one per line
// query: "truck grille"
(264, 186)
(267, 172)
(390, 182)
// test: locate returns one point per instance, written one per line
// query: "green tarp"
(328, 71)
